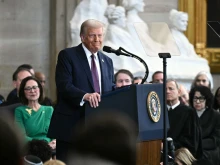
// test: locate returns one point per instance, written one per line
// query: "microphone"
(110, 50)
(122, 51)
(171, 147)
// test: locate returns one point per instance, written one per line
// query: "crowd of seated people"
(193, 115)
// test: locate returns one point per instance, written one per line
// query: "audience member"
(137, 80)
(13, 93)
(184, 157)
(216, 104)
(201, 100)
(184, 125)
(202, 79)
(123, 77)
(42, 79)
(54, 162)
(157, 77)
(31, 117)
(28, 67)
(39, 148)
(11, 144)
(107, 138)
(184, 95)
(18, 76)
(32, 160)
(82, 74)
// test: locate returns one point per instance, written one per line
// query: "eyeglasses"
(201, 99)
(30, 88)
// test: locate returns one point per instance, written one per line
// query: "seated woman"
(183, 156)
(201, 99)
(31, 117)
(203, 79)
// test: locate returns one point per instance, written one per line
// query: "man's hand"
(93, 99)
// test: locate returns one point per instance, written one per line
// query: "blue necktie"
(95, 76)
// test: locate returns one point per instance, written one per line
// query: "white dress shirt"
(173, 106)
(89, 58)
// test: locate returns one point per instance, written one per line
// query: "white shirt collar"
(88, 53)
(173, 106)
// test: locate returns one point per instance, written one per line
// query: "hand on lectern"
(93, 99)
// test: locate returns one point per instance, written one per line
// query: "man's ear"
(82, 38)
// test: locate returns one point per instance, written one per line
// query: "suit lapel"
(84, 61)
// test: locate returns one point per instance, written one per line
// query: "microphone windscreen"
(107, 49)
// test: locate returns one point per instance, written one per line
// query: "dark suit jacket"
(73, 81)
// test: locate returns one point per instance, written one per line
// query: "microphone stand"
(119, 52)
(164, 56)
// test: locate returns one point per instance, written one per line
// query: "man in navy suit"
(75, 83)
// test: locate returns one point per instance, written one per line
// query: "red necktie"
(95, 76)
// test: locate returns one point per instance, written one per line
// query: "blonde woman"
(54, 162)
(184, 157)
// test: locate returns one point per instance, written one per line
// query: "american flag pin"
(103, 60)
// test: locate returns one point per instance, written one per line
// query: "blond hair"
(54, 162)
(184, 156)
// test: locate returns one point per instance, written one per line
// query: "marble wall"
(24, 38)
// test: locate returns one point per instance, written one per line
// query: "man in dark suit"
(76, 82)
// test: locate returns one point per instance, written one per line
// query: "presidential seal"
(153, 106)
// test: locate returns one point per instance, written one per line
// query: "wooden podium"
(136, 101)
(148, 153)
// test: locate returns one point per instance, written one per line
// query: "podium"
(138, 103)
